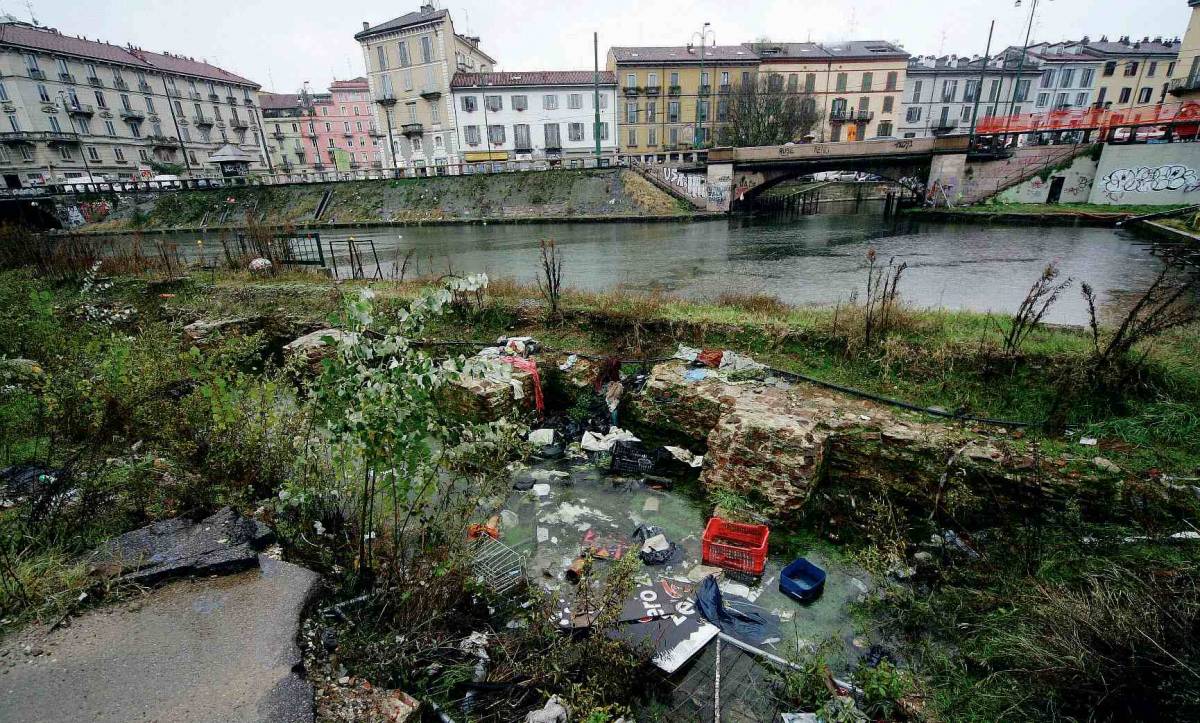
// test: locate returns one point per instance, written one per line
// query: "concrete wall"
(985, 179)
(719, 186)
(946, 175)
(1077, 184)
(1161, 173)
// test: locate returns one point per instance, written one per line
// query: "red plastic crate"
(736, 546)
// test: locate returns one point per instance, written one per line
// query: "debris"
(543, 534)
(752, 627)
(650, 505)
(312, 348)
(735, 545)
(699, 572)
(657, 550)
(686, 353)
(683, 455)
(695, 375)
(570, 362)
(1106, 465)
(541, 437)
(593, 442)
(802, 580)
(576, 569)
(530, 366)
(541, 490)
(632, 457)
(1088, 441)
(509, 519)
(491, 528)
(553, 712)
(710, 358)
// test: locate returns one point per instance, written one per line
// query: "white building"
(547, 118)
(75, 107)
(1068, 79)
(941, 93)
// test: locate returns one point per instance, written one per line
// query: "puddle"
(551, 523)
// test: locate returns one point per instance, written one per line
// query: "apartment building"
(675, 98)
(1185, 80)
(76, 107)
(284, 120)
(1068, 80)
(342, 130)
(1133, 73)
(942, 93)
(543, 119)
(857, 85)
(410, 62)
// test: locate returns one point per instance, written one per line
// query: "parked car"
(167, 180)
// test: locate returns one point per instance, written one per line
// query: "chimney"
(366, 25)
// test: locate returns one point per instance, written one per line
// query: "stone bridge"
(737, 175)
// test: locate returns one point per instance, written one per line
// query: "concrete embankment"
(532, 197)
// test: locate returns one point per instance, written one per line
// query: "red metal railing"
(1090, 118)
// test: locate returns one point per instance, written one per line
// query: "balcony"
(355, 165)
(193, 95)
(674, 90)
(81, 109)
(202, 120)
(319, 166)
(30, 137)
(431, 94)
(376, 164)
(66, 78)
(143, 86)
(36, 74)
(133, 115)
(652, 89)
(278, 135)
(631, 90)
(554, 147)
(238, 124)
(704, 90)
(375, 133)
(120, 84)
(941, 128)
(523, 148)
(348, 134)
(93, 80)
(214, 97)
(849, 115)
(248, 103)
(162, 141)
(725, 89)
(231, 100)
(412, 129)
(1180, 86)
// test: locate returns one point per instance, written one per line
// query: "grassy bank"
(1046, 617)
(562, 194)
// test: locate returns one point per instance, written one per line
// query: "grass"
(1065, 208)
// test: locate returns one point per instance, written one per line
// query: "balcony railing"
(81, 109)
(202, 120)
(133, 115)
(652, 89)
(37, 74)
(239, 124)
(376, 164)
(55, 137)
(162, 141)
(375, 133)
(143, 86)
(725, 89)
(348, 134)
(194, 95)
(704, 90)
(1179, 86)
(231, 100)
(412, 129)
(523, 148)
(632, 90)
(851, 115)
(431, 94)
(120, 84)
(66, 77)
(93, 80)
(174, 92)
(214, 97)
(354, 165)
(278, 135)
(674, 90)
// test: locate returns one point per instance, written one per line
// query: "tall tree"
(764, 112)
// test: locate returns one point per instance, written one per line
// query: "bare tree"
(766, 112)
(550, 281)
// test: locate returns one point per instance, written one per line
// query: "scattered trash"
(683, 455)
(593, 442)
(686, 353)
(530, 366)
(612, 398)
(541, 437)
(491, 528)
(260, 265)
(541, 489)
(604, 547)
(695, 375)
(752, 627)
(664, 616)
(699, 572)
(650, 505)
(553, 712)
(543, 534)
(735, 546)
(570, 362)
(802, 580)
(1106, 465)
(1088, 441)
(798, 717)
(576, 570)
(710, 358)
(521, 346)
(632, 457)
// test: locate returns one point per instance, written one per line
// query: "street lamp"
(1020, 63)
(699, 38)
(82, 151)
(387, 103)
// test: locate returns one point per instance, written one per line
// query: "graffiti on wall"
(689, 183)
(1143, 179)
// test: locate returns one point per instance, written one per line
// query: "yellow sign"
(477, 156)
(342, 159)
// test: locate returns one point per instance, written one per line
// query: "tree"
(765, 112)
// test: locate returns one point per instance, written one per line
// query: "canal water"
(812, 260)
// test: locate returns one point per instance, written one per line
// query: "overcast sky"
(282, 43)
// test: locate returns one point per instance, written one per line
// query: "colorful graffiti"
(1143, 179)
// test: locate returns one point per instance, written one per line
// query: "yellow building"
(1132, 73)
(858, 85)
(675, 99)
(1185, 81)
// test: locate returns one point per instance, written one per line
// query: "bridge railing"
(1090, 118)
(840, 149)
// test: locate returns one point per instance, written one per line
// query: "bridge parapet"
(848, 150)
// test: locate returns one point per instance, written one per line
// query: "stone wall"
(984, 179)
(1148, 173)
(1078, 179)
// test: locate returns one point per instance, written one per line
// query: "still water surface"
(813, 260)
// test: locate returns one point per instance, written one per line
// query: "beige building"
(858, 85)
(75, 107)
(1133, 73)
(289, 143)
(1185, 81)
(410, 62)
(674, 99)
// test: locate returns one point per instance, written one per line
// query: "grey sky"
(282, 43)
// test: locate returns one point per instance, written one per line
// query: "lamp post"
(700, 38)
(1020, 63)
(82, 151)
(387, 103)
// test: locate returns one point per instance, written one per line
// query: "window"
(54, 125)
(912, 114)
(1086, 76)
(966, 114)
(994, 91)
(345, 126)
(867, 78)
(402, 51)
(1060, 100)
(651, 111)
(673, 111)
(884, 129)
(1067, 78)
(26, 154)
(651, 81)
(472, 135)
(673, 134)
(549, 102)
(136, 129)
(916, 94)
(887, 104)
(774, 82)
(1131, 69)
(435, 114)
(864, 104)
(890, 83)
(1042, 100)
(632, 137)
(184, 134)
(550, 130)
(1151, 69)
(1125, 95)
(652, 136)
(144, 155)
(1144, 95)
(426, 49)
(469, 103)
(575, 101)
(110, 129)
(841, 81)
(493, 103)
(496, 134)
(575, 131)
(1081, 99)
(520, 102)
(603, 101)
(944, 121)
(149, 104)
(631, 80)
(810, 82)
(381, 57)
(43, 93)
(1047, 79)
(1170, 68)
(521, 137)
(674, 80)
(631, 112)
(31, 63)
(949, 88)
(93, 154)
(1109, 68)
(1022, 89)
(702, 110)
(604, 131)
(65, 153)
(970, 90)
(3, 92)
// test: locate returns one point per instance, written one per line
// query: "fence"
(1092, 118)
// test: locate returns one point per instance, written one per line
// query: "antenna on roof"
(29, 6)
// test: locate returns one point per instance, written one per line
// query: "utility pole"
(703, 35)
(987, 54)
(1020, 64)
(596, 92)
(187, 164)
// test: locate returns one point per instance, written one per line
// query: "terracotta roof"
(680, 54)
(54, 42)
(528, 78)
(413, 18)
(355, 83)
(278, 101)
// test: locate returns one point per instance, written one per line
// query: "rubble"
(312, 347)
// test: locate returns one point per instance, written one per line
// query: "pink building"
(342, 128)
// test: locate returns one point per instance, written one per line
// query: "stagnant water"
(813, 260)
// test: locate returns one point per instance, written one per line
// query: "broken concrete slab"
(200, 332)
(223, 542)
(312, 348)
(217, 649)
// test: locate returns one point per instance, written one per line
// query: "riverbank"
(1067, 214)
(155, 415)
(533, 197)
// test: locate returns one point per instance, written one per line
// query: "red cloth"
(530, 366)
(710, 358)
